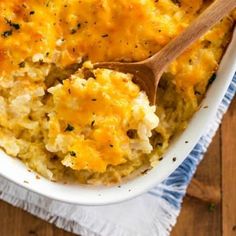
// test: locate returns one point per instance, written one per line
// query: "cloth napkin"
(152, 214)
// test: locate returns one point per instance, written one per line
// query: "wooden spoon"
(147, 73)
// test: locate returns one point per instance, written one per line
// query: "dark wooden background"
(218, 169)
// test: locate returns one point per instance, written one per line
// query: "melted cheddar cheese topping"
(64, 31)
(101, 30)
(92, 119)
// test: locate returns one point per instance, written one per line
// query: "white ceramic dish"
(15, 171)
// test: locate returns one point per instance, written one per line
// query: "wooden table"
(218, 169)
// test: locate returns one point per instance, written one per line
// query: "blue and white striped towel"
(152, 214)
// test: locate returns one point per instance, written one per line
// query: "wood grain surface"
(218, 170)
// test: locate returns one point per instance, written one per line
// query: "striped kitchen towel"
(152, 214)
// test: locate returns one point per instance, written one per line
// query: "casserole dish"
(17, 172)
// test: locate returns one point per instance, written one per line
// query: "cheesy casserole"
(70, 122)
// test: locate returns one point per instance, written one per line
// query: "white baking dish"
(16, 171)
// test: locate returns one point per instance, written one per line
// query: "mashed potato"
(96, 126)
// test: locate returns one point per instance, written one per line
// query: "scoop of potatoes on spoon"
(147, 73)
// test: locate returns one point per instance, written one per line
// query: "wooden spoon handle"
(212, 15)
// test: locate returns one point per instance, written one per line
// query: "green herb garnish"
(7, 33)
(72, 153)
(69, 128)
(92, 123)
(211, 207)
(22, 64)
